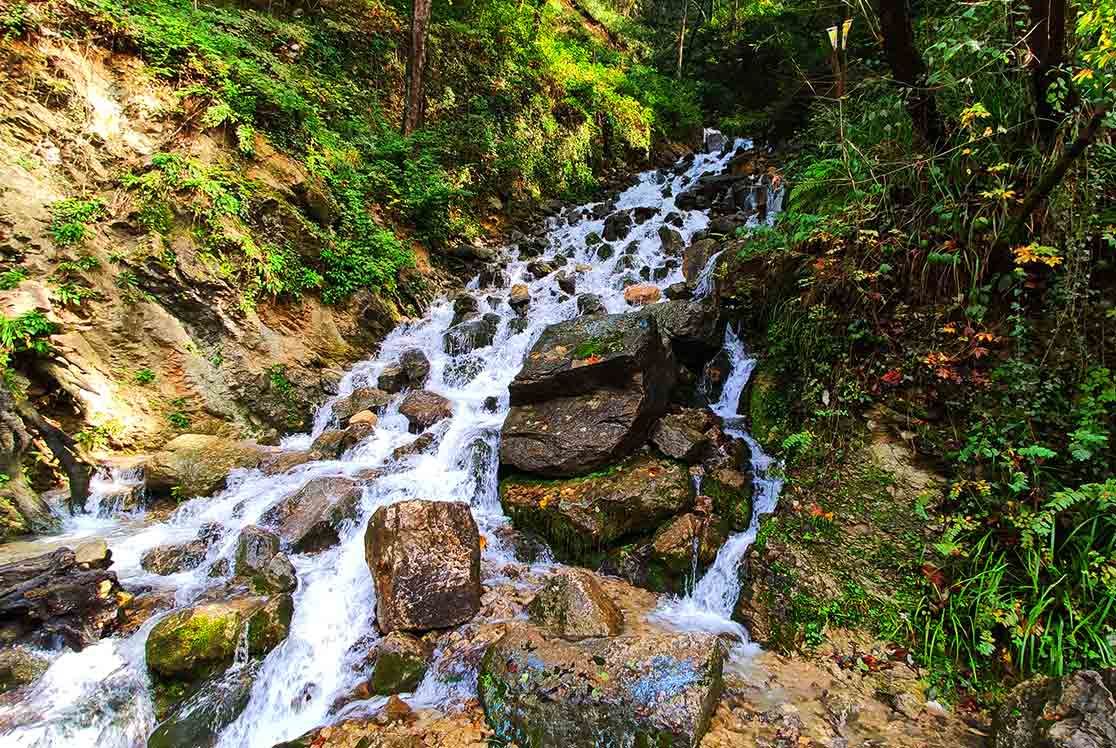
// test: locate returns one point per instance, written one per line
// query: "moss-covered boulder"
(654, 689)
(197, 722)
(259, 561)
(400, 664)
(581, 517)
(573, 605)
(18, 667)
(194, 644)
(198, 464)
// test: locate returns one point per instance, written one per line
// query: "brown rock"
(310, 519)
(417, 589)
(573, 605)
(199, 464)
(642, 294)
(364, 416)
(423, 409)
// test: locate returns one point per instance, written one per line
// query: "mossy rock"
(18, 667)
(400, 666)
(765, 405)
(584, 517)
(193, 644)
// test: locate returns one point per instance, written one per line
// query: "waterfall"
(101, 697)
(709, 606)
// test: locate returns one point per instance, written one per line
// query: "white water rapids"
(101, 697)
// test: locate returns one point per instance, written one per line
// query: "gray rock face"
(586, 395)
(259, 561)
(423, 409)
(1075, 711)
(418, 589)
(682, 436)
(652, 689)
(697, 257)
(197, 722)
(694, 329)
(590, 303)
(617, 226)
(573, 605)
(310, 519)
(174, 557)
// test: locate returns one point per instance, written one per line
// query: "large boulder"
(52, 598)
(198, 464)
(587, 395)
(694, 329)
(580, 517)
(573, 605)
(617, 226)
(410, 372)
(423, 409)
(311, 519)
(425, 561)
(466, 337)
(194, 644)
(171, 558)
(696, 257)
(334, 443)
(655, 689)
(1075, 711)
(682, 435)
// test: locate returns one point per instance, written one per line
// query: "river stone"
(334, 443)
(539, 269)
(696, 257)
(671, 241)
(1075, 711)
(617, 226)
(93, 554)
(520, 298)
(18, 667)
(587, 395)
(642, 294)
(682, 436)
(198, 721)
(680, 291)
(172, 558)
(573, 605)
(364, 417)
(281, 461)
(259, 561)
(310, 519)
(694, 328)
(418, 589)
(361, 398)
(423, 409)
(590, 303)
(472, 334)
(198, 464)
(193, 644)
(401, 662)
(655, 689)
(567, 282)
(580, 516)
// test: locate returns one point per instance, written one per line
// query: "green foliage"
(13, 20)
(70, 217)
(25, 334)
(10, 279)
(144, 376)
(177, 417)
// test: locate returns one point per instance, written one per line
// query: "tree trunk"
(415, 103)
(682, 36)
(63, 448)
(909, 70)
(1046, 43)
(1052, 178)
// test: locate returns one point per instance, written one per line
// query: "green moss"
(397, 672)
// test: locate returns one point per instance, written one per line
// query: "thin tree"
(1046, 45)
(682, 35)
(909, 70)
(415, 104)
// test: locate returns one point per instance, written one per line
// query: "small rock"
(423, 409)
(520, 298)
(573, 605)
(642, 294)
(93, 554)
(364, 416)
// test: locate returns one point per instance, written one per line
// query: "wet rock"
(518, 325)
(418, 446)
(682, 436)
(587, 395)
(198, 464)
(93, 554)
(191, 645)
(605, 252)
(674, 218)
(423, 409)
(592, 239)
(573, 605)
(1075, 711)
(198, 721)
(643, 214)
(590, 303)
(653, 689)
(617, 226)
(281, 462)
(580, 517)
(400, 662)
(417, 590)
(730, 490)
(361, 398)
(366, 417)
(677, 543)
(464, 307)
(492, 276)
(258, 560)
(694, 328)
(726, 225)
(567, 282)
(679, 291)
(520, 299)
(697, 257)
(539, 269)
(18, 667)
(142, 607)
(172, 558)
(311, 519)
(641, 294)
(671, 241)
(333, 444)
(472, 334)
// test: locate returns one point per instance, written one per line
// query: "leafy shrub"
(70, 217)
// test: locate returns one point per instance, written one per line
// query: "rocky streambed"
(521, 523)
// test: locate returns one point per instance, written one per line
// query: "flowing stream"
(100, 696)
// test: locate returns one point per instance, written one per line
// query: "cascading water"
(101, 696)
(709, 606)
